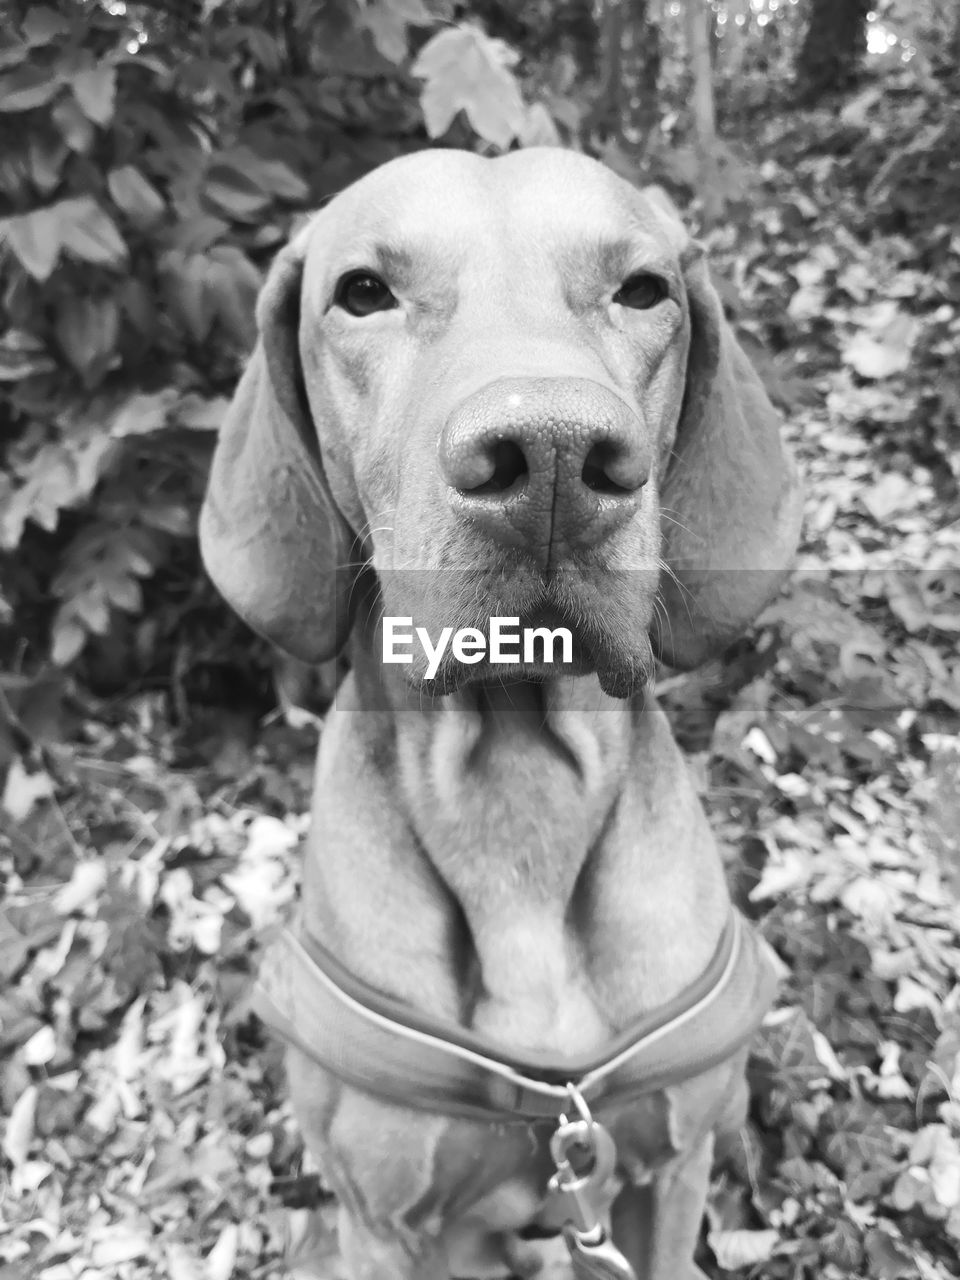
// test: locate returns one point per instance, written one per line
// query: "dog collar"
(387, 1048)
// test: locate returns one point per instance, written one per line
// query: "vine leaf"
(465, 70)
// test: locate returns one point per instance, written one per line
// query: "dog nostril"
(608, 470)
(509, 466)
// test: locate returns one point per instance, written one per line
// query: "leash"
(403, 1055)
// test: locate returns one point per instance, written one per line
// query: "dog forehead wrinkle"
(568, 172)
(379, 205)
(617, 259)
(410, 261)
(607, 259)
(450, 190)
(460, 215)
(431, 166)
(439, 184)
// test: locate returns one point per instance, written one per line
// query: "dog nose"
(546, 464)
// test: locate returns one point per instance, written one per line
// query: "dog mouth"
(574, 625)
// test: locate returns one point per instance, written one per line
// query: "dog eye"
(362, 293)
(641, 292)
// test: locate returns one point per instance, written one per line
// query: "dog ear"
(271, 536)
(731, 499)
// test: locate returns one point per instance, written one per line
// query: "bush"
(152, 160)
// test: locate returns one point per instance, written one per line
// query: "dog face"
(507, 387)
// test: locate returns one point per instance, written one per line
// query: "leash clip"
(596, 1261)
(585, 1155)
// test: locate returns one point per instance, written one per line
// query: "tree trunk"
(605, 115)
(627, 107)
(644, 55)
(698, 16)
(576, 24)
(834, 44)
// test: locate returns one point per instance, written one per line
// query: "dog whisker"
(671, 518)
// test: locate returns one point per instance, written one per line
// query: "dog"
(505, 387)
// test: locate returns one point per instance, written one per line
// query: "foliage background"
(153, 157)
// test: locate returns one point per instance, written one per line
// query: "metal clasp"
(585, 1156)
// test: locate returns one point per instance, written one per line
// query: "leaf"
(891, 493)
(185, 292)
(387, 22)
(238, 196)
(935, 1149)
(15, 947)
(274, 178)
(60, 474)
(861, 1148)
(884, 347)
(808, 302)
(99, 573)
(41, 1048)
(311, 1252)
(263, 47)
(75, 128)
(742, 1248)
(28, 87)
(842, 1246)
(786, 872)
(69, 637)
(170, 517)
(787, 1050)
(18, 1134)
(92, 608)
(873, 900)
(858, 111)
(466, 71)
(143, 413)
(42, 24)
(539, 129)
(261, 880)
(22, 790)
(198, 414)
(876, 359)
(87, 329)
(825, 1053)
(905, 598)
(888, 1256)
(182, 1263)
(47, 154)
(233, 283)
(118, 1245)
(35, 239)
(83, 888)
(928, 598)
(22, 355)
(222, 1258)
(95, 90)
(196, 232)
(88, 232)
(138, 198)
(943, 823)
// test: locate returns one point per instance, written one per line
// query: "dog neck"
(525, 819)
(507, 786)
